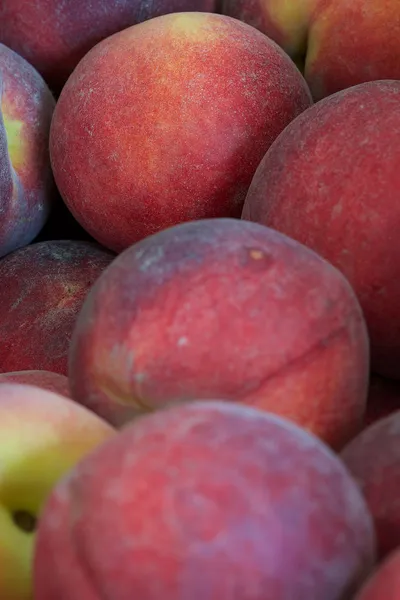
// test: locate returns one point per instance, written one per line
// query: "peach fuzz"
(211, 500)
(43, 435)
(46, 380)
(229, 309)
(43, 287)
(26, 184)
(384, 583)
(55, 35)
(331, 181)
(373, 458)
(167, 121)
(338, 43)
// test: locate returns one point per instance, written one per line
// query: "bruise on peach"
(211, 500)
(223, 308)
(42, 290)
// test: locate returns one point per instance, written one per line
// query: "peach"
(228, 309)
(373, 458)
(383, 398)
(212, 501)
(167, 121)
(384, 583)
(55, 35)
(43, 287)
(331, 181)
(46, 380)
(339, 43)
(26, 183)
(42, 436)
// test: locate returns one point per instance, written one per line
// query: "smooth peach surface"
(46, 380)
(339, 43)
(167, 122)
(331, 181)
(223, 308)
(26, 183)
(373, 458)
(42, 435)
(212, 501)
(43, 287)
(54, 35)
(383, 398)
(384, 584)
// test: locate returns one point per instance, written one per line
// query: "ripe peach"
(331, 181)
(167, 122)
(339, 43)
(26, 183)
(42, 436)
(212, 501)
(55, 35)
(373, 458)
(46, 380)
(43, 287)
(229, 309)
(384, 583)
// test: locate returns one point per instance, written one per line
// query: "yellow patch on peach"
(291, 17)
(193, 25)
(15, 142)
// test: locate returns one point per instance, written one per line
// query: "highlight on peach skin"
(202, 501)
(336, 43)
(331, 181)
(182, 143)
(26, 183)
(42, 436)
(42, 290)
(54, 36)
(373, 459)
(223, 308)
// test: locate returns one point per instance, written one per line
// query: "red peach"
(167, 121)
(55, 35)
(46, 380)
(229, 309)
(384, 584)
(27, 187)
(210, 501)
(373, 458)
(43, 287)
(331, 181)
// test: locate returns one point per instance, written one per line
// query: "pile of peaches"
(199, 300)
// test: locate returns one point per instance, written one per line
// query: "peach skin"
(42, 290)
(183, 141)
(42, 436)
(384, 583)
(331, 181)
(27, 188)
(223, 308)
(206, 501)
(45, 380)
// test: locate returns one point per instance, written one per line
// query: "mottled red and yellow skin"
(341, 43)
(383, 398)
(212, 501)
(54, 36)
(46, 380)
(373, 458)
(228, 309)
(42, 436)
(43, 287)
(384, 583)
(167, 122)
(26, 184)
(331, 181)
